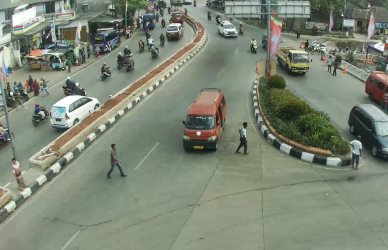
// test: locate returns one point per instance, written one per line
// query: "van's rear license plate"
(198, 147)
(58, 119)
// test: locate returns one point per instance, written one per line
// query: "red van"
(377, 86)
(205, 120)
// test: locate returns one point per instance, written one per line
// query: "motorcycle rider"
(162, 40)
(141, 45)
(126, 50)
(69, 83)
(150, 42)
(253, 44)
(195, 3)
(209, 16)
(120, 59)
(39, 111)
(154, 50)
(105, 70)
(4, 134)
(241, 30)
(163, 22)
(218, 19)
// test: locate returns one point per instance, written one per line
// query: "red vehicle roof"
(205, 103)
(382, 76)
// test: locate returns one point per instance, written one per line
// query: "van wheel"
(374, 151)
(216, 146)
(289, 70)
(371, 97)
(96, 106)
(352, 129)
(75, 122)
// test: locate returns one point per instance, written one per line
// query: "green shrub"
(286, 105)
(313, 122)
(339, 145)
(277, 81)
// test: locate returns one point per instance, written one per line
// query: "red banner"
(276, 31)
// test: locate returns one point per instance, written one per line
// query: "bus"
(106, 39)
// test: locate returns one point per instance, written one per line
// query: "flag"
(276, 31)
(371, 27)
(126, 7)
(4, 70)
(331, 22)
(77, 39)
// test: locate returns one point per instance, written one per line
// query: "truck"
(293, 60)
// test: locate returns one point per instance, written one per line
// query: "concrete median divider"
(53, 158)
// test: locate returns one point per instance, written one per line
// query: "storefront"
(382, 28)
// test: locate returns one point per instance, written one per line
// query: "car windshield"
(58, 111)
(172, 28)
(99, 38)
(228, 26)
(300, 58)
(381, 128)
(200, 122)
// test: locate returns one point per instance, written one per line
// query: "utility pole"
(268, 59)
(6, 115)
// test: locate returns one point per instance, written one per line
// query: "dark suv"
(369, 122)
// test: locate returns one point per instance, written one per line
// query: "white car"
(227, 29)
(71, 110)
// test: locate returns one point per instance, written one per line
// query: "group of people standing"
(333, 63)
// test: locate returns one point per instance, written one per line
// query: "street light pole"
(6, 116)
(268, 59)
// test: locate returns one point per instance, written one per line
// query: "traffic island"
(283, 143)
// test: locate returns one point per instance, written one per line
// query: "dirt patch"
(108, 105)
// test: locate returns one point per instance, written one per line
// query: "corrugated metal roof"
(15, 3)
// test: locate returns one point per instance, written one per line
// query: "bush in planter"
(285, 105)
(276, 81)
(313, 122)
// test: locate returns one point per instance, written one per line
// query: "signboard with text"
(349, 23)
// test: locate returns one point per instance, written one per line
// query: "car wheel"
(374, 151)
(75, 122)
(96, 106)
(352, 129)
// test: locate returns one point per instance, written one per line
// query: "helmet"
(68, 78)
(10, 93)
(120, 53)
(77, 84)
(37, 105)
(126, 47)
(103, 64)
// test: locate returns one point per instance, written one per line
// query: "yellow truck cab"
(293, 60)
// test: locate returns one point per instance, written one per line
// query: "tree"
(133, 6)
(326, 6)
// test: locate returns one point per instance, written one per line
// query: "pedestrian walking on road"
(17, 172)
(356, 152)
(68, 64)
(297, 32)
(30, 82)
(36, 87)
(43, 86)
(114, 161)
(243, 138)
(88, 50)
(306, 45)
(330, 63)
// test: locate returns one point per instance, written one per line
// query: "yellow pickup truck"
(293, 60)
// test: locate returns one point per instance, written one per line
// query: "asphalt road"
(334, 95)
(29, 139)
(201, 200)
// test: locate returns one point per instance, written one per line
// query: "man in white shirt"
(243, 138)
(356, 152)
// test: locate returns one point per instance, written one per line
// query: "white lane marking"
(70, 240)
(6, 185)
(236, 51)
(220, 72)
(147, 155)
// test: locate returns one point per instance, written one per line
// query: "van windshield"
(381, 128)
(200, 122)
(300, 58)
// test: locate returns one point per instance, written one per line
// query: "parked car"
(371, 124)
(174, 31)
(227, 29)
(71, 110)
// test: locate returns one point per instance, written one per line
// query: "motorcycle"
(163, 22)
(128, 62)
(254, 48)
(22, 94)
(11, 101)
(141, 47)
(37, 118)
(162, 40)
(195, 3)
(154, 52)
(75, 91)
(209, 16)
(106, 74)
(4, 138)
